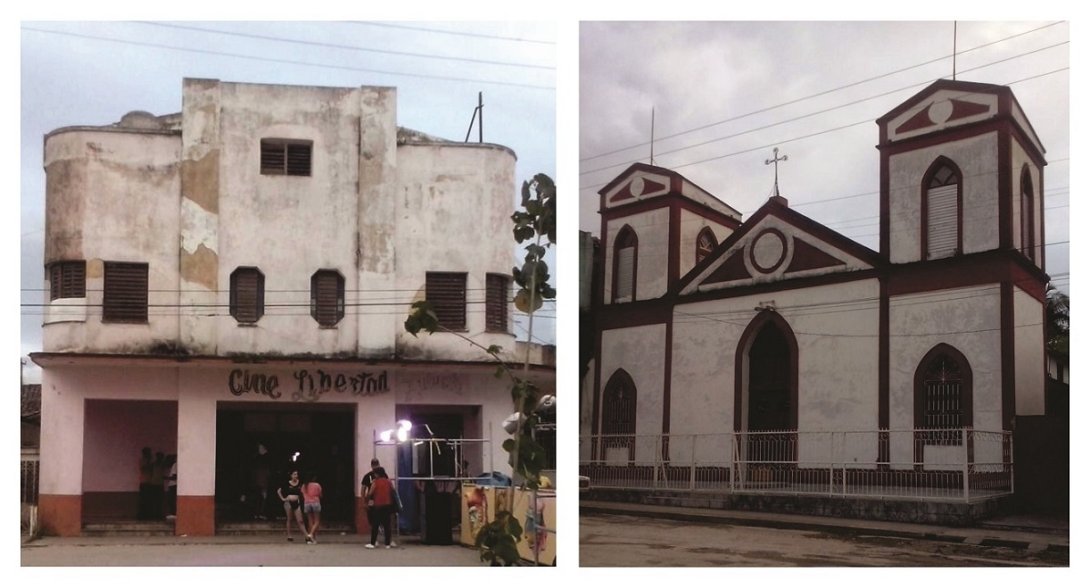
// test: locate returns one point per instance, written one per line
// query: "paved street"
(622, 540)
(236, 551)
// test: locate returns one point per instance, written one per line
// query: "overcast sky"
(92, 73)
(725, 93)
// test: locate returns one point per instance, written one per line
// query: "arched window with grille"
(944, 395)
(619, 412)
(941, 214)
(625, 259)
(705, 243)
(1029, 242)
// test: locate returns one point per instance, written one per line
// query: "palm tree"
(1057, 311)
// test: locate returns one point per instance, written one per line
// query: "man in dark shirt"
(368, 478)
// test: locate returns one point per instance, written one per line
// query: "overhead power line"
(285, 61)
(339, 46)
(457, 33)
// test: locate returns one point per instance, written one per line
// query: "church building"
(775, 355)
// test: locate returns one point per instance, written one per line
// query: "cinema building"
(238, 274)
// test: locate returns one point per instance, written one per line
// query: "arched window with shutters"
(625, 259)
(1029, 242)
(705, 243)
(941, 210)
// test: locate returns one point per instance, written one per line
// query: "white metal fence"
(933, 464)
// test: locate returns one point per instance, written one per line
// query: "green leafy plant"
(497, 541)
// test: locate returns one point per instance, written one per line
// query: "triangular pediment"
(777, 244)
(639, 182)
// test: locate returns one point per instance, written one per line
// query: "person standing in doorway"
(369, 479)
(381, 494)
(312, 507)
(146, 469)
(261, 472)
(172, 486)
(291, 494)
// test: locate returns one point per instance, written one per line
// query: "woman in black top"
(291, 493)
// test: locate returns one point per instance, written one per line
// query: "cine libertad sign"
(308, 385)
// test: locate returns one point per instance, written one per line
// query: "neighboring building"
(239, 273)
(776, 355)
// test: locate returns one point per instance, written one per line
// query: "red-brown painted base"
(60, 515)
(196, 516)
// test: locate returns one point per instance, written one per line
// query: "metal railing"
(932, 464)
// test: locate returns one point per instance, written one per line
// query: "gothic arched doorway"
(766, 387)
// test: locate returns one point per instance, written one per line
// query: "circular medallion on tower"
(768, 251)
(637, 186)
(939, 112)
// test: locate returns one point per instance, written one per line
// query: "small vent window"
(705, 243)
(67, 279)
(247, 294)
(447, 293)
(285, 157)
(497, 291)
(327, 297)
(125, 292)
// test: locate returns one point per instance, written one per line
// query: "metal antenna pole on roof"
(955, 50)
(479, 120)
(652, 135)
(775, 162)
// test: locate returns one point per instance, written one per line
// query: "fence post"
(733, 460)
(692, 464)
(831, 463)
(655, 463)
(965, 466)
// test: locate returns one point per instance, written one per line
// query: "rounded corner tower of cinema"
(238, 274)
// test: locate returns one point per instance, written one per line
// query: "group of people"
(158, 485)
(303, 504)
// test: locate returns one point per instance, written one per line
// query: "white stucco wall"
(967, 319)
(977, 157)
(691, 225)
(641, 352)
(836, 327)
(1029, 353)
(454, 204)
(111, 196)
(652, 258)
(697, 194)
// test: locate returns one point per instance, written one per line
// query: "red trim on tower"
(1007, 355)
(667, 374)
(976, 269)
(883, 205)
(1006, 194)
(883, 367)
(673, 259)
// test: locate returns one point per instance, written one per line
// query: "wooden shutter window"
(327, 297)
(447, 293)
(125, 292)
(285, 157)
(626, 258)
(496, 295)
(247, 295)
(67, 279)
(942, 221)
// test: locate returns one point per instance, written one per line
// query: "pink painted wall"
(114, 433)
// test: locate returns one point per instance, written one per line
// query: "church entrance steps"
(128, 528)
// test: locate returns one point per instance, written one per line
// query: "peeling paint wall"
(652, 255)
(112, 196)
(1029, 353)
(640, 351)
(454, 204)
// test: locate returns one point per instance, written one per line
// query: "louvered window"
(285, 157)
(942, 213)
(67, 279)
(495, 308)
(247, 294)
(125, 292)
(327, 297)
(624, 265)
(705, 243)
(447, 293)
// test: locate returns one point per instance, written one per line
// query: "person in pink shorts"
(312, 507)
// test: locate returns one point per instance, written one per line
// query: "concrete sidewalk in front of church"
(1033, 533)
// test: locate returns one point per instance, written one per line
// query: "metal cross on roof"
(775, 161)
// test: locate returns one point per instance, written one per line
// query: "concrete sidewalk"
(1034, 534)
(240, 550)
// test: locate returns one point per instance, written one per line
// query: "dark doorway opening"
(770, 382)
(258, 443)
